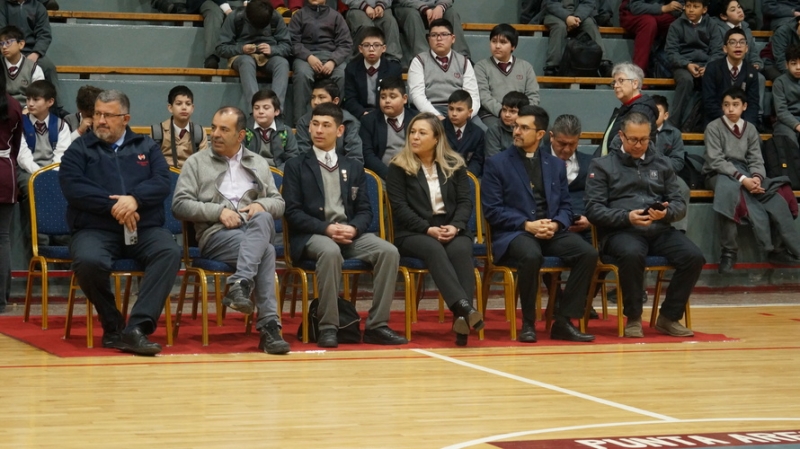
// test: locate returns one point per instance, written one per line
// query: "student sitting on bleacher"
(500, 135)
(416, 19)
(272, 138)
(566, 17)
(363, 74)
(213, 12)
(786, 35)
(253, 39)
(81, 122)
(30, 16)
(325, 90)
(786, 95)
(20, 71)
(741, 189)
(627, 85)
(669, 143)
(463, 135)
(365, 14)
(502, 73)
(321, 45)
(732, 70)
(647, 20)
(190, 136)
(692, 42)
(779, 12)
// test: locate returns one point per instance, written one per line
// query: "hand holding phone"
(655, 206)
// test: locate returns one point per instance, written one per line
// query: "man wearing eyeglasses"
(115, 183)
(633, 197)
(732, 70)
(526, 201)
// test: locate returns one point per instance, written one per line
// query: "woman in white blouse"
(431, 204)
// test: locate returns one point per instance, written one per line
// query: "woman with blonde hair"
(431, 203)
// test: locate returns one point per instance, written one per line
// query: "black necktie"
(372, 70)
(458, 134)
(443, 61)
(41, 127)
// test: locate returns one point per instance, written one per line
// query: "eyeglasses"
(643, 141)
(105, 116)
(437, 36)
(7, 43)
(619, 81)
(371, 46)
(733, 43)
(524, 128)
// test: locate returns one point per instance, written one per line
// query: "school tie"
(372, 70)
(396, 126)
(736, 131)
(328, 162)
(266, 134)
(443, 61)
(41, 127)
(181, 134)
(13, 70)
(458, 134)
(504, 66)
(734, 73)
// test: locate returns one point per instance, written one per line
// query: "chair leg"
(179, 309)
(551, 302)
(441, 308)
(218, 299)
(304, 304)
(538, 301)
(688, 314)
(511, 302)
(168, 320)
(354, 288)
(70, 307)
(657, 297)
(409, 301)
(479, 300)
(89, 324)
(620, 307)
(204, 305)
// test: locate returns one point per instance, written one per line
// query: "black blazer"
(304, 195)
(373, 138)
(411, 205)
(471, 146)
(355, 83)
(577, 187)
(717, 80)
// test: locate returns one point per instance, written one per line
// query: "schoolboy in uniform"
(20, 71)
(349, 143)
(365, 14)
(564, 17)
(464, 136)
(81, 122)
(732, 70)
(500, 135)
(364, 72)
(271, 139)
(190, 136)
(786, 95)
(669, 143)
(383, 131)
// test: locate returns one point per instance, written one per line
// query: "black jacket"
(373, 139)
(471, 147)
(355, 83)
(304, 195)
(717, 80)
(644, 104)
(91, 171)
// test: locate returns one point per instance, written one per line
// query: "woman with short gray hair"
(626, 80)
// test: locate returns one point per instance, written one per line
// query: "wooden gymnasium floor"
(450, 398)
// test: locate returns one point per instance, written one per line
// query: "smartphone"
(654, 206)
(575, 218)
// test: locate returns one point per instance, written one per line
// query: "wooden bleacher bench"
(526, 29)
(132, 16)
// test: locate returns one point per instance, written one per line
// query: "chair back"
(376, 202)
(172, 224)
(47, 205)
(277, 176)
(474, 224)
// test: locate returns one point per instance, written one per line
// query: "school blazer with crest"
(304, 194)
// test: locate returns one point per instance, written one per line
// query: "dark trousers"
(450, 264)
(526, 252)
(94, 251)
(685, 84)
(630, 250)
(6, 214)
(646, 28)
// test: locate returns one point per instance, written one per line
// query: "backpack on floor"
(692, 171)
(782, 158)
(349, 323)
(582, 57)
(659, 63)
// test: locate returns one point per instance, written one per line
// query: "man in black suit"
(464, 136)
(526, 202)
(363, 74)
(732, 70)
(379, 145)
(328, 213)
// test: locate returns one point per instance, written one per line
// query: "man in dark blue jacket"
(115, 183)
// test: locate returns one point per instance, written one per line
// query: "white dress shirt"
(25, 155)
(437, 203)
(237, 180)
(572, 166)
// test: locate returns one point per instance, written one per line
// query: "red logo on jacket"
(142, 160)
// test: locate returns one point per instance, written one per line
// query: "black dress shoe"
(726, 262)
(383, 336)
(612, 297)
(528, 333)
(327, 339)
(472, 317)
(782, 258)
(238, 297)
(271, 340)
(112, 339)
(551, 70)
(136, 342)
(211, 62)
(606, 67)
(461, 339)
(565, 330)
(593, 314)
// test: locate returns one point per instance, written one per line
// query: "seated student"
(431, 204)
(190, 136)
(779, 12)
(786, 95)
(321, 45)
(565, 17)
(365, 14)
(669, 143)
(20, 71)
(349, 143)
(618, 203)
(81, 122)
(502, 73)
(256, 39)
(328, 221)
(648, 21)
(364, 72)
(45, 138)
(437, 72)
(272, 139)
(732, 70)
(736, 173)
(692, 42)
(782, 38)
(213, 12)
(464, 136)
(500, 135)
(383, 131)
(30, 16)
(416, 19)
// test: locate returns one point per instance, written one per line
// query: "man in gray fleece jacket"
(230, 195)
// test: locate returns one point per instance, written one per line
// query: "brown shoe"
(673, 328)
(633, 329)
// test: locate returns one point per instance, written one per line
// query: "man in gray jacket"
(632, 196)
(230, 195)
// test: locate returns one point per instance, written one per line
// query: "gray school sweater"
(334, 207)
(723, 148)
(320, 29)
(17, 84)
(687, 43)
(498, 137)
(439, 84)
(494, 84)
(786, 95)
(231, 43)
(752, 56)
(783, 37)
(670, 143)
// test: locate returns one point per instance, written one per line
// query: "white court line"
(506, 436)
(548, 386)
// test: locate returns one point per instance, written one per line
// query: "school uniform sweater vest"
(394, 143)
(17, 84)
(440, 83)
(334, 207)
(43, 153)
